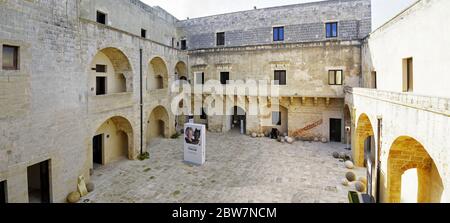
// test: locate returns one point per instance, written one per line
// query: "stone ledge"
(431, 104)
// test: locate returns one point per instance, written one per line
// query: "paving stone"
(261, 171)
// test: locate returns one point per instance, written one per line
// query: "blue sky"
(382, 10)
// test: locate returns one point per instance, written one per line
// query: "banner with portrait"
(194, 143)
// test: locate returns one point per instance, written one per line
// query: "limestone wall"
(302, 22)
(416, 33)
(132, 16)
(48, 110)
(424, 119)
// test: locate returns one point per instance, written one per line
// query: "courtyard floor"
(238, 169)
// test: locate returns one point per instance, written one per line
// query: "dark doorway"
(100, 85)
(161, 128)
(97, 148)
(238, 120)
(335, 130)
(3, 199)
(39, 182)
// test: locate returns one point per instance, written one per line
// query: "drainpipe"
(141, 103)
(378, 157)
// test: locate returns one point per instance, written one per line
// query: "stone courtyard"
(238, 169)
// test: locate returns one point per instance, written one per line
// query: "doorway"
(3, 199)
(97, 149)
(38, 177)
(238, 120)
(335, 130)
(100, 86)
(161, 128)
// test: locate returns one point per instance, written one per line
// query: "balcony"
(109, 102)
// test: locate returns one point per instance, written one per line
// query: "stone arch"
(158, 74)
(365, 141)
(238, 119)
(158, 123)
(347, 124)
(181, 71)
(407, 153)
(117, 136)
(110, 69)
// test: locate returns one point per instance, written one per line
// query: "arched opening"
(238, 120)
(181, 71)
(110, 73)
(410, 164)
(347, 125)
(112, 141)
(364, 141)
(280, 119)
(364, 154)
(157, 75)
(158, 124)
(181, 117)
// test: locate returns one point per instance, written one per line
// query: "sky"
(382, 10)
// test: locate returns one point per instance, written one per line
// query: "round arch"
(406, 153)
(112, 140)
(158, 123)
(348, 124)
(365, 141)
(158, 74)
(110, 72)
(181, 71)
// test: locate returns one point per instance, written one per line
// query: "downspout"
(141, 103)
(378, 157)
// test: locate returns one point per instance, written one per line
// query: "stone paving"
(238, 169)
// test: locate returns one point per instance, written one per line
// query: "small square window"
(278, 34)
(280, 77)
(331, 30)
(10, 58)
(143, 33)
(276, 118)
(221, 39)
(101, 17)
(100, 68)
(224, 77)
(335, 77)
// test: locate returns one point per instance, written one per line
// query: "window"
(3, 199)
(335, 77)
(374, 79)
(276, 118)
(101, 17)
(100, 68)
(408, 84)
(173, 42)
(224, 77)
(278, 34)
(203, 115)
(10, 57)
(221, 39)
(200, 78)
(280, 77)
(183, 44)
(143, 33)
(100, 86)
(332, 29)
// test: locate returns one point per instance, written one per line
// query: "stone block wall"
(302, 22)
